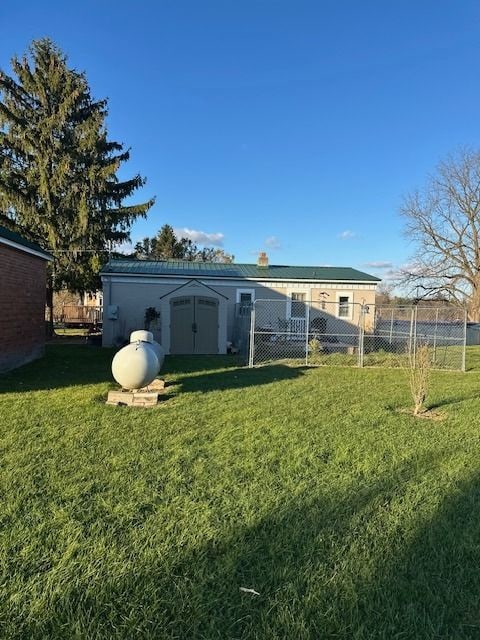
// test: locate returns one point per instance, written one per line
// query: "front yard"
(350, 518)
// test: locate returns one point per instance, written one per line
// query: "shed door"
(181, 321)
(206, 325)
(194, 325)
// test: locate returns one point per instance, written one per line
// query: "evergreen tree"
(58, 170)
(167, 247)
(145, 249)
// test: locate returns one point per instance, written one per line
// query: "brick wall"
(22, 307)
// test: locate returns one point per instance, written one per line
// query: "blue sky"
(293, 127)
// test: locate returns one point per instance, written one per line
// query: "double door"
(193, 325)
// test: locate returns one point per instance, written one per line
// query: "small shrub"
(151, 316)
(314, 346)
(419, 377)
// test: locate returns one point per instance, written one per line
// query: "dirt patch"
(427, 414)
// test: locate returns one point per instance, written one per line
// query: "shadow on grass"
(458, 399)
(62, 366)
(430, 588)
(237, 378)
(195, 364)
(72, 365)
(68, 365)
(334, 567)
(296, 558)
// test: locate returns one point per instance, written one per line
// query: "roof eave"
(239, 277)
(21, 247)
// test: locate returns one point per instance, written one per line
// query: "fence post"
(435, 338)
(252, 337)
(415, 315)
(361, 335)
(307, 330)
(410, 337)
(391, 328)
(464, 354)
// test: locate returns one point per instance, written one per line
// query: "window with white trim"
(245, 298)
(344, 305)
(298, 308)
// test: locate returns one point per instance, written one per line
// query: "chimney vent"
(262, 259)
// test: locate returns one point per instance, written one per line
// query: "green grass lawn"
(351, 519)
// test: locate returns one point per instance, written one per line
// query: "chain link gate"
(312, 333)
(352, 334)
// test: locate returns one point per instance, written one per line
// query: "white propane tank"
(159, 352)
(147, 336)
(135, 366)
(141, 336)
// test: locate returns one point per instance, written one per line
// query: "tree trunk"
(473, 316)
(49, 323)
(474, 304)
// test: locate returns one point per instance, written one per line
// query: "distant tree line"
(385, 296)
(167, 246)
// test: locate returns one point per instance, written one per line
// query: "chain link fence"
(399, 331)
(351, 334)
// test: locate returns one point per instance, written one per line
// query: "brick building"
(22, 300)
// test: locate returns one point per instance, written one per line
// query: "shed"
(198, 304)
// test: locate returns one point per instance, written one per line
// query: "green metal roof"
(18, 239)
(238, 271)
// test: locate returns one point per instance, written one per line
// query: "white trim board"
(22, 247)
(240, 291)
(268, 284)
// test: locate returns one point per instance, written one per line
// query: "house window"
(245, 298)
(298, 308)
(344, 306)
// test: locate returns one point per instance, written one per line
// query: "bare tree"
(419, 366)
(384, 294)
(443, 220)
